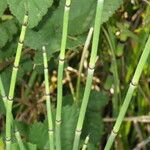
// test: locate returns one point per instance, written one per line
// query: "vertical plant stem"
(31, 82)
(48, 101)
(86, 46)
(86, 95)
(13, 83)
(84, 147)
(60, 74)
(4, 97)
(132, 87)
(117, 95)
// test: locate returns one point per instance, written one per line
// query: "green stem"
(84, 147)
(13, 83)
(48, 101)
(133, 85)
(31, 82)
(90, 74)
(86, 46)
(117, 95)
(60, 74)
(17, 134)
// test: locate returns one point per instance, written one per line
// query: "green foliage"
(3, 6)
(93, 124)
(36, 9)
(7, 31)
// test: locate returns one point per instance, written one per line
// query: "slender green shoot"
(31, 82)
(4, 97)
(93, 59)
(86, 46)
(117, 95)
(84, 147)
(13, 83)
(60, 74)
(132, 87)
(48, 101)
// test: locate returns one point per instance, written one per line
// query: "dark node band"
(58, 121)
(62, 60)
(45, 68)
(68, 6)
(85, 144)
(7, 139)
(134, 84)
(16, 67)
(91, 68)
(20, 42)
(25, 24)
(50, 130)
(10, 99)
(79, 131)
(114, 132)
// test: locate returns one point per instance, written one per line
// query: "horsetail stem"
(4, 97)
(86, 46)
(60, 74)
(132, 87)
(48, 102)
(84, 147)
(86, 95)
(13, 83)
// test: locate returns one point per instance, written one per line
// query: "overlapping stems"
(13, 82)
(4, 97)
(48, 101)
(93, 57)
(132, 87)
(86, 46)
(60, 74)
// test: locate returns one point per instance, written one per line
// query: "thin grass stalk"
(4, 97)
(91, 67)
(48, 101)
(13, 83)
(132, 87)
(60, 75)
(86, 46)
(117, 95)
(84, 147)
(30, 83)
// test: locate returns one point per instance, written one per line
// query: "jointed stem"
(48, 102)
(90, 74)
(4, 97)
(13, 83)
(133, 85)
(86, 46)
(60, 74)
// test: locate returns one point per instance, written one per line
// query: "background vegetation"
(124, 32)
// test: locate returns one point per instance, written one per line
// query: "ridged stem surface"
(13, 83)
(48, 101)
(60, 75)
